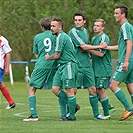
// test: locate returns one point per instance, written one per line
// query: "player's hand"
(103, 45)
(6, 71)
(47, 56)
(125, 66)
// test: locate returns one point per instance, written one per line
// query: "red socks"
(6, 94)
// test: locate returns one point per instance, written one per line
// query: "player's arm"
(55, 56)
(8, 60)
(86, 47)
(97, 53)
(36, 55)
(109, 47)
(128, 53)
(80, 43)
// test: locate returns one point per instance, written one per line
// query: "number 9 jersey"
(43, 44)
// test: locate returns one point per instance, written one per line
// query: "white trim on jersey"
(4, 49)
(76, 36)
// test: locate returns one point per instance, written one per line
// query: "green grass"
(49, 114)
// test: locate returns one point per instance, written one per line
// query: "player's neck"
(123, 20)
(99, 33)
(81, 28)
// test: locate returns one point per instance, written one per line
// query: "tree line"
(19, 20)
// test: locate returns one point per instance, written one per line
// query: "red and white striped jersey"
(4, 49)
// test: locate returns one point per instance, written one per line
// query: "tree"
(19, 19)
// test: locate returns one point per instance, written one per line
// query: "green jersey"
(80, 37)
(102, 66)
(43, 44)
(126, 33)
(65, 46)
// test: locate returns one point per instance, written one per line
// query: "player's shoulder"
(62, 35)
(104, 35)
(126, 25)
(4, 41)
(47, 33)
(74, 29)
(3, 38)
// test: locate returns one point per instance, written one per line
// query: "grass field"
(49, 114)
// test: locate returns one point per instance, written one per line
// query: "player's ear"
(84, 21)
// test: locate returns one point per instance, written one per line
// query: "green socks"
(94, 104)
(62, 108)
(66, 103)
(72, 105)
(63, 96)
(132, 98)
(32, 104)
(121, 96)
(104, 102)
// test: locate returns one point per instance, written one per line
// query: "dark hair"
(46, 23)
(79, 14)
(123, 9)
(59, 20)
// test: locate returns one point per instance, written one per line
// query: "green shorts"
(66, 76)
(102, 82)
(85, 77)
(40, 76)
(122, 76)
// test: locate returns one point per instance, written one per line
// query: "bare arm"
(8, 60)
(90, 47)
(128, 53)
(109, 47)
(36, 55)
(97, 53)
(55, 56)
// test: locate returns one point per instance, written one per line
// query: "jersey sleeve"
(6, 46)
(59, 43)
(75, 36)
(126, 30)
(35, 49)
(105, 38)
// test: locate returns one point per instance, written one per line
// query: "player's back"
(44, 43)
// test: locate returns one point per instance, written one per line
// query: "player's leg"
(120, 76)
(71, 104)
(57, 85)
(93, 100)
(90, 85)
(32, 105)
(130, 90)
(5, 91)
(6, 94)
(61, 94)
(129, 84)
(62, 100)
(102, 85)
(79, 84)
(50, 77)
(37, 79)
(69, 83)
(110, 107)
(104, 100)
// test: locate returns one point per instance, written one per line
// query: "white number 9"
(48, 44)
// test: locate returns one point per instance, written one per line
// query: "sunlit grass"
(11, 121)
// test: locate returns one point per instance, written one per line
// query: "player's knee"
(92, 90)
(55, 90)
(113, 86)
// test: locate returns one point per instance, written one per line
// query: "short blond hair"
(102, 21)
